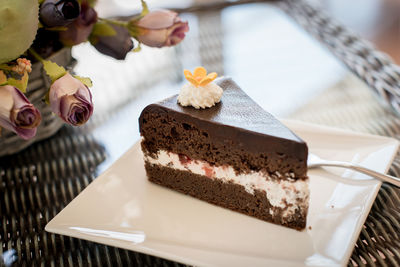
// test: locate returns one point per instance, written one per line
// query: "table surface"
(272, 58)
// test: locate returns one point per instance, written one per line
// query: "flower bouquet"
(45, 28)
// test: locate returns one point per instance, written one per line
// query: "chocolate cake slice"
(234, 155)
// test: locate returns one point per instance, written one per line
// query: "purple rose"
(116, 46)
(71, 100)
(17, 114)
(161, 28)
(79, 30)
(59, 12)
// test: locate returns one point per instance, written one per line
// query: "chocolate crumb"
(309, 227)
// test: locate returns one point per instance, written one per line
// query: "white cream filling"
(280, 193)
(200, 97)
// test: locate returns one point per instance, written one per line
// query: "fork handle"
(380, 176)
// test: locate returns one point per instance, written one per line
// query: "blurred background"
(376, 20)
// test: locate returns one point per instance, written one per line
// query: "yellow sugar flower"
(199, 76)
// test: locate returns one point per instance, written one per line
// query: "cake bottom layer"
(225, 194)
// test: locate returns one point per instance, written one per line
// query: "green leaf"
(137, 48)
(134, 31)
(5, 67)
(93, 39)
(132, 22)
(145, 9)
(20, 84)
(47, 97)
(92, 3)
(53, 70)
(102, 28)
(3, 78)
(86, 81)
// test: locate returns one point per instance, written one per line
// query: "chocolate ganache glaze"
(236, 119)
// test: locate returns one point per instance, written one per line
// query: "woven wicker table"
(40, 181)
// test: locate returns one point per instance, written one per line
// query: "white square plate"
(121, 208)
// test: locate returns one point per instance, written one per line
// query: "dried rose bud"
(79, 30)
(17, 114)
(71, 100)
(55, 13)
(116, 46)
(161, 28)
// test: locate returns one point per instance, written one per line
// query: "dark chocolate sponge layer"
(161, 131)
(227, 195)
(235, 132)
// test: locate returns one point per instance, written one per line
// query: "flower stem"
(115, 22)
(145, 8)
(5, 67)
(35, 55)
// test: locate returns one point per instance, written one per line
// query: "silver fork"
(314, 161)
